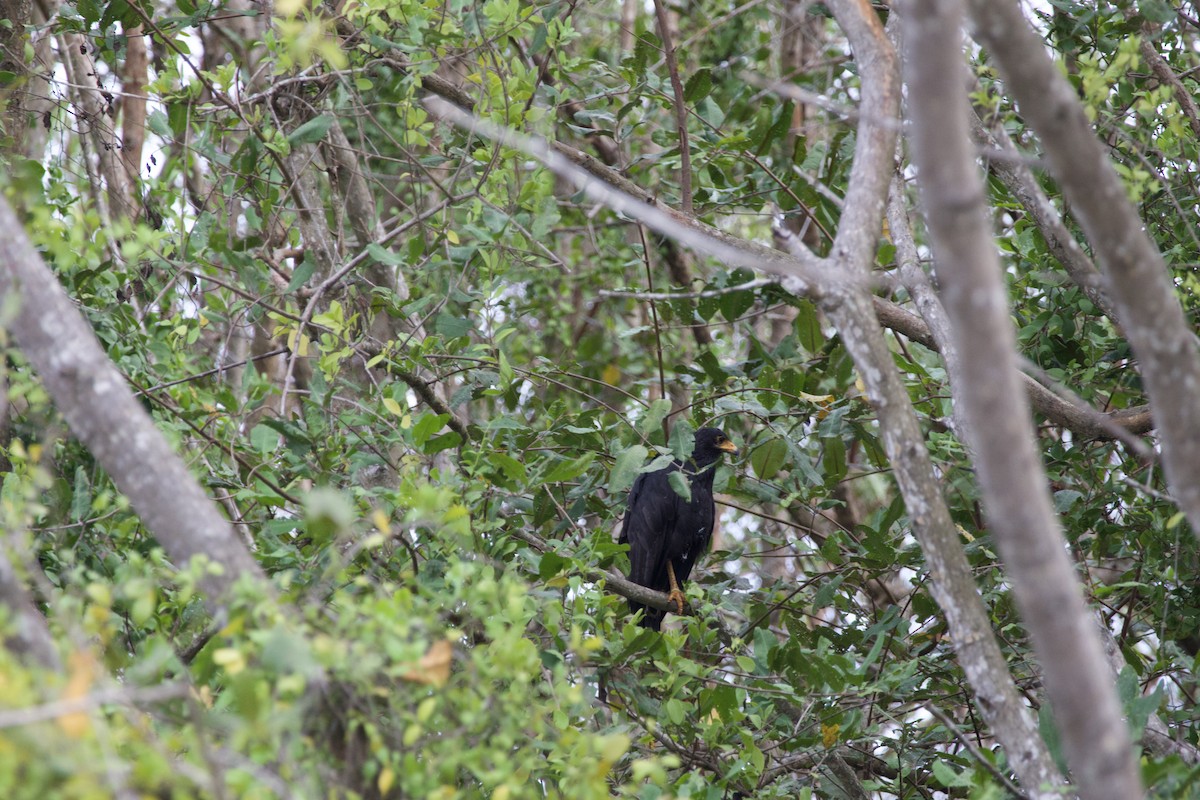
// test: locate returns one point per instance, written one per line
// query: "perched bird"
(665, 532)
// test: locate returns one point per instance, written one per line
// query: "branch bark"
(104, 414)
(839, 282)
(92, 112)
(1019, 179)
(30, 635)
(852, 313)
(1141, 284)
(1011, 477)
(133, 101)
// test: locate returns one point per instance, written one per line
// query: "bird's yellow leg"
(675, 595)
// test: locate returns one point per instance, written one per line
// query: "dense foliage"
(418, 372)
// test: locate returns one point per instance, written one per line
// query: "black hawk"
(665, 532)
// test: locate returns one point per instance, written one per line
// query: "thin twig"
(45, 712)
(681, 114)
(975, 752)
(754, 284)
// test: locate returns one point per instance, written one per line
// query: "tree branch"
(1013, 482)
(102, 412)
(1140, 281)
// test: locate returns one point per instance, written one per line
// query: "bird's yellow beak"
(728, 446)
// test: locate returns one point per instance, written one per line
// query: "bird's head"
(710, 444)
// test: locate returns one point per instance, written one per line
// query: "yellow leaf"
(819, 399)
(83, 672)
(393, 407)
(612, 375)
(434, 666)
(451, 236)
(380, 521)
(387, 777)
(230, 658)
(426, 708)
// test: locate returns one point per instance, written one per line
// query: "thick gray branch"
(29, 636)
(852, 312)
(1141, 285)
(1015, 493)
(1019, 178)
(103, 413)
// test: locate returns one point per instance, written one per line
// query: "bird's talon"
(676, 597)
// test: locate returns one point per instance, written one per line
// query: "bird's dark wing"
(648, 522)
(691, 534)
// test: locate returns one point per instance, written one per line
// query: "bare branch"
(30, 635)
(813, 275)
(1015, 174)
(133, 101)
(12, 718)
(754, 284)
(681, 112)
(1140, 281)
(1011, 477)
(92, 112)
(103, 413)
(851, 310)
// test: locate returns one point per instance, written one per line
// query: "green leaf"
(1157, 11)
(264, 439)
(81, 496)
(427, 426)
(157, 123)
(312, 131)
(675, 710)
(716, 373)
(808, 327)
(442, 442)
(626, 468)
(1049, 731)
(452, 326)
(1065, 498)
(683, 439)
(660, 462)
(767, 459)
(507, 374)
(385, 256)
(834, 459)
(654, 416)
(680, 484)
(780, 125)
(569, 469)
(948, 776)
(512, 469)
(327, 513)
(735, 304)
(550, 565)
(698, 86)
(300, 275)
(646, 47)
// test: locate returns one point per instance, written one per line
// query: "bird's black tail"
(652, 619)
